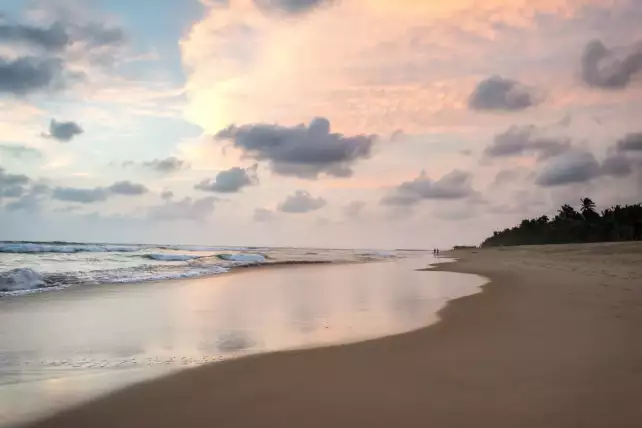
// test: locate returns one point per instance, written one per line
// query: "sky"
(319, 123)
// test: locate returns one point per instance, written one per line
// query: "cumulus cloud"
(83, 196)
(12, 179)
(60, 35)
(28, 74)
(63, 131)
(301, 202)
(525, 140)
(13, 186)
(608, 69)
(571, 167)
(98, 34)
(301, 151)
(166, 166)
(98, 194)
(30, 196)
(581, 166)
(454, 185)
(19, 152)
(167, 195)
(65, 47)
(630, 143)
(230, 181)
(263, 214)
(498, 93)
(185, 209)
(616, 166)
(30, 202)
(289, 6)
(127, 188)
(52, 38)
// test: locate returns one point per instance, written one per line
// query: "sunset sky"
(336, 123)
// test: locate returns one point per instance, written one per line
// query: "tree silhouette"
(588, 206)
(569, 226)
(567, 212)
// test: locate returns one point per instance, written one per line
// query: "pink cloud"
(366, 65)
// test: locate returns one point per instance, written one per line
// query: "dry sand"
(555, 340)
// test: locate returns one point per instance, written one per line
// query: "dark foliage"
(618, 223)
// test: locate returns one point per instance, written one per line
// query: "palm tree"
(588, 206)
(567, 212)
(617, 223)
(588, 211)
(542, 221)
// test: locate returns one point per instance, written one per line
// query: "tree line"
(618, 223)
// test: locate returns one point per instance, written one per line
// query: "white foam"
(200, 248)
(171, 257)
(255, 258)
(212, 270)
(119, 248)
(32, 282)
(20, 279)
(28, 247)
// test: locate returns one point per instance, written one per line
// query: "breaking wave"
(200, 248)
(26, 280)
(252, 258)
(21, 279)
(28, 247)
(28, 267)
(161, 266)
(171, 257)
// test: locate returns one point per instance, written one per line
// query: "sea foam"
(20, 279)
(171, 257)
(253, 258)
(28, 247)
(26, 280)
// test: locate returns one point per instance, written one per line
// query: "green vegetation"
(618, 223)
(464, 247)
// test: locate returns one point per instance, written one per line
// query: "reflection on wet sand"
(61, 348)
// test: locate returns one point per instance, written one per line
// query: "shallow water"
(61, 348)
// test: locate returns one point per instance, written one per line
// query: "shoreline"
(232, 270)
(169, 325)
(550, 341)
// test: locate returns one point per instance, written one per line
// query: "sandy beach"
(552, 341)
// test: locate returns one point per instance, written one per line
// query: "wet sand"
(553, 341)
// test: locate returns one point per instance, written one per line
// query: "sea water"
(28, 267)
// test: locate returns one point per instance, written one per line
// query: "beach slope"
(553, 341)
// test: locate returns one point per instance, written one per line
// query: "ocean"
(28, 267)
